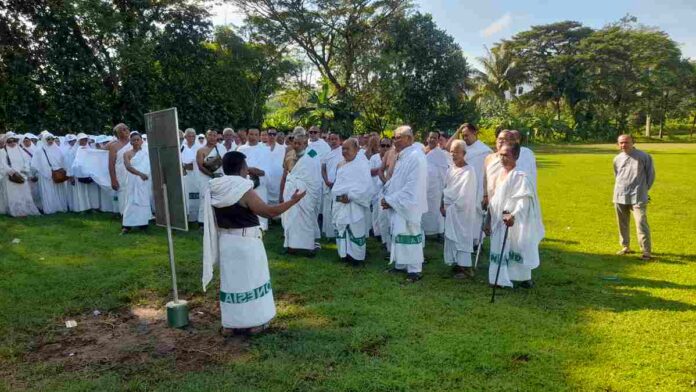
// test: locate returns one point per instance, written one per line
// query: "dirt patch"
(135, 337)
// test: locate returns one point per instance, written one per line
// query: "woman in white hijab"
(15, 174)
(48, 159)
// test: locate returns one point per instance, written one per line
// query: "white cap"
(81, 136)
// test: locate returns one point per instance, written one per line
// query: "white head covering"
(81, 136)
(70, 137)
(30, 136)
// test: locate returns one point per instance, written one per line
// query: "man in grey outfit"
(635, 175)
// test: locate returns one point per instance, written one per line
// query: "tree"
(617, 60)
(548, 56)
(423, 72)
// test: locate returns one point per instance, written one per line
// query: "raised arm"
(112, 167)
(258, 207)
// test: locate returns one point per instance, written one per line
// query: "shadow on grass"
(344, 328)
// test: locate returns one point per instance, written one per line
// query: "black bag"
(85, 180)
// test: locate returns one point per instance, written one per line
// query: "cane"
(500, 261)
(480, 239)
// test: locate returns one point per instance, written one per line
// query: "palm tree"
(501, 74)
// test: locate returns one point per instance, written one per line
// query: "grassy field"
(595, 321)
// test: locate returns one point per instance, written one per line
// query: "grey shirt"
(635, 175)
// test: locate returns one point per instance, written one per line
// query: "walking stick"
(480, 239)
(500, 262)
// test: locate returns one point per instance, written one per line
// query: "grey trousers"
(639, 211)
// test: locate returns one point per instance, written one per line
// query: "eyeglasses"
(272, 134)
(384, 145)
(313, 132)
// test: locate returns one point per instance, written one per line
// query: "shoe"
(414, 277)
(460, 276)
(470, 271)
(393, 270)
(646, 257)
(527, 284)
(624, 251)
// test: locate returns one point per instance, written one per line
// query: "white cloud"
(497, 26)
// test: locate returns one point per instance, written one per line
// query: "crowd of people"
(452, 190)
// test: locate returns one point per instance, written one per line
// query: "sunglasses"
(12, 140)
(313, 132)
(385, 145)
(272, 134)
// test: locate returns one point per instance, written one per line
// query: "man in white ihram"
(513, 205)
(329, 166)
(438, 162)
(405, 201)
(476, 153)
(300, 222)
(352, 194)
(190, 179)
(138, 211)
(232, 239)
(258, 161)
(459, 207)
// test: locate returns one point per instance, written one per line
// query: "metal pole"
(500, 262)
(480, 239)
(170, 241)
(167, 220)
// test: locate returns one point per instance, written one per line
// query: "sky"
(476, 25)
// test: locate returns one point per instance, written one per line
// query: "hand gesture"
(297, 196)
(484, 203)
(385, 205)
(508, 219)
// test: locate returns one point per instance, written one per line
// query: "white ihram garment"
(459, 198)
(476, 153)
(300, 221)
(521, 253)
(331, 161)
(352, 180)
(259, 156)
(405, 192)
(190, 180)
(438, 161)
(138, 210)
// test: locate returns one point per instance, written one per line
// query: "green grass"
(351, 330)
